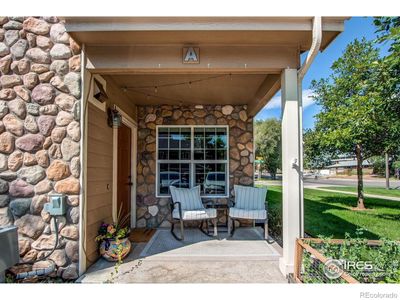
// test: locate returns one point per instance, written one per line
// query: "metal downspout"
(312, 53)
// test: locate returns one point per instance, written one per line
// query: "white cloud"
(275, 102)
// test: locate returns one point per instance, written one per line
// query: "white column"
(291, 167)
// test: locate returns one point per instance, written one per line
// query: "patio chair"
(249, 204)
(186, 205)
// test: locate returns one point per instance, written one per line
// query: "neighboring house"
(348, 166)
(187, 90)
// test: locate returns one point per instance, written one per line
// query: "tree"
(315, 156)
(350, 121)
(268, 144)
(388, 83)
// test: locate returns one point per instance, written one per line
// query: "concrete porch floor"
(178, 265)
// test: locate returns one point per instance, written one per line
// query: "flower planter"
(109, 248)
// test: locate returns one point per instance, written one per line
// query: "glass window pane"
(210, 154)
(163, 143)
(199, 138)
(163, 154)
(174, 138)
(221, 154)
(185, 138)
(173, 175)
(185, 154)
(173, 154)
(213, 180)
(163, 132)
(199, 154)
(221, 141)
(210, 138)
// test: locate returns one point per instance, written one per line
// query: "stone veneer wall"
(153, 211)
(40, 88)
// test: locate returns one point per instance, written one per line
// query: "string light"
(155, 89)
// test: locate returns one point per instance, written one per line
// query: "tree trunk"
(360, 185)
(387, 171)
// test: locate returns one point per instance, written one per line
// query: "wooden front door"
(124, 172)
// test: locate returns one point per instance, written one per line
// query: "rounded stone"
(45, 77)
(43, 94)
(43, 42)
(11, 36)
(23, 93)
(58, 170)
(46, 124)
(58, 134)
(59, 258)
(64, 118)
(74, 63)
(4, 200)
(20, 206)
(42, 158)
(6, 142)
(39, 56)
(58, 83)
(8, 175)
(18, 107)
(13, 124)
(75, 167)
(9, 81)
(55, 151)
(24, 245)
(30, 124)
(60, 67)
(19, 48)
(32, 175)
(29, 159)
(69, 186)
(70, 232)
(60, 51)
(58, 34)
(3, 186)
(227, 109)
(50, 109)
(40, 68)
(37, 204)
(7, 94)
(30, 80)
(5, 63)
(73, 200)
(73, 81)
(65, 101)
(6, 218)
(74, 131)
(69, 149)
(72, 250)
(4, 50)
(3, 163)
(70, 272)
(19, 188)
(46, 242)
(3, 109)
(30, 142)
(43, 187)
(15, 160)
(36, 26)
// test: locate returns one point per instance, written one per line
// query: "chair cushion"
(189, 198)
(251, 198)
(200, 214)
(254, 214)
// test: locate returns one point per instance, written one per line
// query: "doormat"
(141, 235)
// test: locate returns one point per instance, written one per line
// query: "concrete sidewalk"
(390, 198)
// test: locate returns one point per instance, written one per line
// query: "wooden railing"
(303, 247)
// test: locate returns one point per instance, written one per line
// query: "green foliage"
(378, 263)
(315, 156)
(268, 144)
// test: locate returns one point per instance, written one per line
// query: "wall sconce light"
(114, 118)
(98, 91)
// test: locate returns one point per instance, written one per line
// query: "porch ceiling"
(192, 89)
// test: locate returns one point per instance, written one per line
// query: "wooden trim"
(266, 91)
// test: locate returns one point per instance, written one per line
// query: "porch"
(243, 258)
(188, 91)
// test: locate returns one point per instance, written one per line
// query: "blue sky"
(356, 27)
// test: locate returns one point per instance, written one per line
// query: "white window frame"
(192, 162)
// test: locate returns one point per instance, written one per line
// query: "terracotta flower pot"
(109, 248)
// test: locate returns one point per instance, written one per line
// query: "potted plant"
(114, 244)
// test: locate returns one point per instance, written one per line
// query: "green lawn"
(367, 190)
(331, 214)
